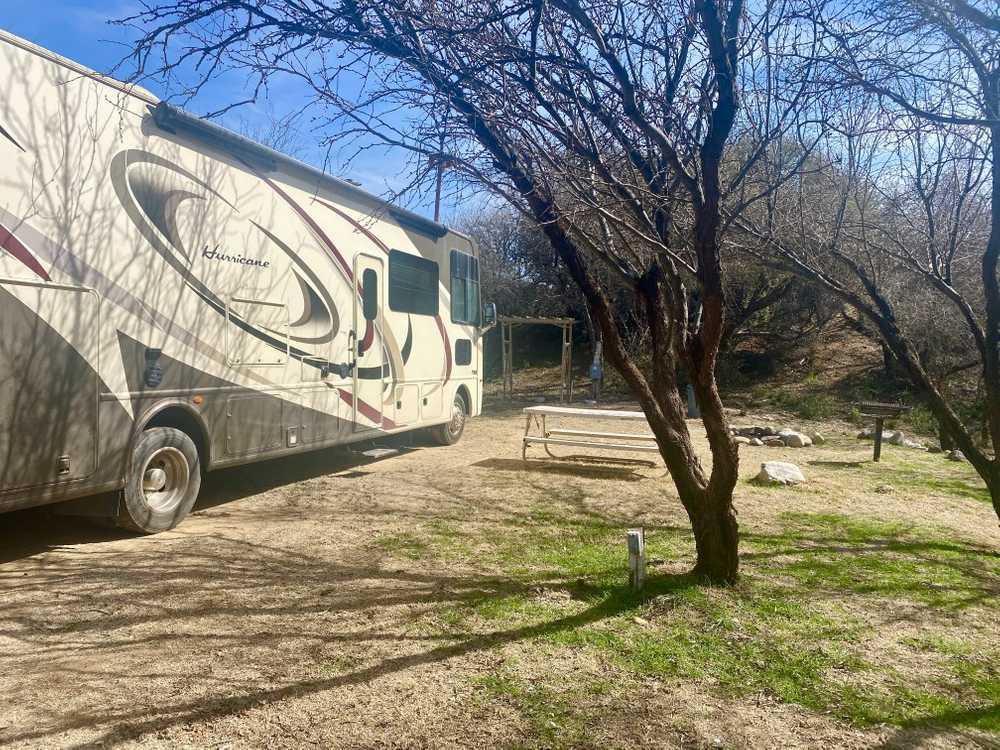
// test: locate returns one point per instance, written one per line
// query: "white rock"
(756, 441)
(956, 456)
(779, 472)
(740, 440)
(818, 439)
(794, 439)
(894, 438)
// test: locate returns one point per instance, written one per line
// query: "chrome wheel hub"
(457, 418)
(155, 480)
(165, 479)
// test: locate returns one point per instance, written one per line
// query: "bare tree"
(911, 154)
(605, 122)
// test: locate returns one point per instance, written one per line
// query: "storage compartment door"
(253, 424)
(49, 338)
(321, 416)
(407, 404)
(431, 401)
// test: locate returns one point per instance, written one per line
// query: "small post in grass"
(879, 425)
(636, 539)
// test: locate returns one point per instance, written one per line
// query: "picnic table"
(537, 416)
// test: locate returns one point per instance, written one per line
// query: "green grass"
(793, 628)
(931, 472)
(884, 560)
(404, 545)
(553, 717)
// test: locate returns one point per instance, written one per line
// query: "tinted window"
(369, 294)
(413, 284)
(463, 352)
(464, 288)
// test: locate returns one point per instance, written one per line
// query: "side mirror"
(489, 315)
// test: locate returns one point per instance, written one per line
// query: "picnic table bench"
(619, 441)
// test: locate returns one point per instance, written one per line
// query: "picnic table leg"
(545, 433)
(879, 424)
(524, 443)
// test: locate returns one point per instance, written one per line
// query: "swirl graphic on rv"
(189, 224)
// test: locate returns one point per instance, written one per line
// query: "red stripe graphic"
(315, 228)
(369, 337)
(367, 411)
(12, 245)
(360, 227)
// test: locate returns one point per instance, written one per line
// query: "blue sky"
(79, 30)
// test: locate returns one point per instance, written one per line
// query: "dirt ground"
(288, 611)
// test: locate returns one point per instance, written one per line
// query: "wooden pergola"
(507, 323)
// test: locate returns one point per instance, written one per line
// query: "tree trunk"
(993, 485)
(947, 444)
(888, 362)
(716, 537)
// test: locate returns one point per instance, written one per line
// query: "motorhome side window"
(413, 284)
(464, 288)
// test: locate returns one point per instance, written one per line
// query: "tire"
(450, 432)
(163, 481)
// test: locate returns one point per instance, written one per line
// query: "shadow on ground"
(38, 530)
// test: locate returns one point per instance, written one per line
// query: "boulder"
(740, 440)
(956, 456)
(773, 441)
(779, 472)
(933, 448)
(818, 439)
(794, 439)
(894, 437)
(914, 444)
(866, 434)
(756, 442)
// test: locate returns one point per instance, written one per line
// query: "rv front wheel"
(449, 432)
(163, 481)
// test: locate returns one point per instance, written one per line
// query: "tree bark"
(947, 444)
(716, 537)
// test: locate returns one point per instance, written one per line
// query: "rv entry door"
(369, 368)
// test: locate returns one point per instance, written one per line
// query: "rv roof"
(128, 88)
(173, 118)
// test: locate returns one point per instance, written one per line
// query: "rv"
(175, 298)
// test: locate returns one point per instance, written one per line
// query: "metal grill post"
(880, 412)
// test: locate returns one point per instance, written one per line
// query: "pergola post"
(506, 335)
(567, 363)
(507, 323)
